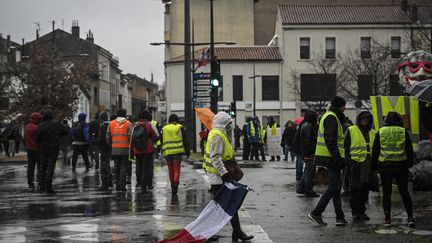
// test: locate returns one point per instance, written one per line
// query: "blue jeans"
(332, 192)
(287, 149)
(307, 180)
(299, 167)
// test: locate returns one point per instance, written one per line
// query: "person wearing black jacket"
(287, 139)
(246, 144)
(49, 135)
(392, 156)
(330, 153)
(105, 153)
(308, 140)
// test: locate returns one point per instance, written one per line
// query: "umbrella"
(422, 91)
(206, 116)
(298, 120)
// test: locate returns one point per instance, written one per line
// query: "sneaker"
(317, 219)
(411, 223)
(341, 222)
(387, 223)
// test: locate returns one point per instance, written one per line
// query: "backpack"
(80, 132)
(139, 137)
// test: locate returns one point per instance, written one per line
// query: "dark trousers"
(262, 152)
(358, 199)
(299, 167)
(34, 161)
(121, 164)
(64, 149)
(80, 150)
(144, 170)
(105, 168)
(307, 180)
(332, 192)
(255, 151)
(94, 153)
(400, 174)
(49, 159)
(246, 149)
(235, 221)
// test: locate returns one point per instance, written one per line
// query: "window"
(304, 48)
(395, 47)
(365, 47)
(270, 87)
(237, 87)
(317, 87)
(364, 86)
(330, 47)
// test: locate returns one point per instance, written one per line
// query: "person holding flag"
(219, 150)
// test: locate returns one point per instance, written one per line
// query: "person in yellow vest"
(262, 141)
(156, 128)
(174, 146)
(118, 135)
(272, 124)
(219, 149)
(358, 154)
(392, 156)
(330, 153)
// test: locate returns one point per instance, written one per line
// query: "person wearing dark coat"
(237, 135)
(105, 153)
(246, 144)
(287, 139)
(392, 156)
(33, 149)
(66, 143)
(358, 156)
(80, 142)
(308, 140)
(48, 136)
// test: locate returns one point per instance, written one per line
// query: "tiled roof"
(240, 53)
(343, 14)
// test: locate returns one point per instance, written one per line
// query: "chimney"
(90, 37)
(151, 80)
(8, 41)
(75, 29)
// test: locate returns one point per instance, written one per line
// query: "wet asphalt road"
(273, 212)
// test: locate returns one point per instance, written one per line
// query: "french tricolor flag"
(214, 216)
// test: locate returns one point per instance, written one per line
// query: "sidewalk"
(19, 157)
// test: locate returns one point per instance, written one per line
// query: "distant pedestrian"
(203, 139)
(262, 138)
(66, 143)
(105, 153)
(93, 143)
(358, 154)
(237, 136)
(308, 141)
(174, 145)
(246, 144)
(287, 138)
(253, 133)
(330, 153)
(142, 146)
(48, 136)
(158, 143)
(271, 124)
(392, 156)
(12, 138)
(118, 135)
(80, 141)
(33, 149)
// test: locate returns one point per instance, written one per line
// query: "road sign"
(202, 88)
(201, 93)
(202, 99)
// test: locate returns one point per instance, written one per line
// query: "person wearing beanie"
(80, 141)
(330, 153)
(33, 149)
(174, 145)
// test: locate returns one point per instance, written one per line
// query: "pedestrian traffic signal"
(215, 82)
(233, 109)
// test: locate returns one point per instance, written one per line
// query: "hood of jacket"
(103, 117)
(393, 119)
(35, 118)
(121, 120)
(339, 114)
(82, 116)
(310, 116)
(364, 114)
(221, 121)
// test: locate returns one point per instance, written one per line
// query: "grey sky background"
(124, 27)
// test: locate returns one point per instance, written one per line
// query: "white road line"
(251, 229)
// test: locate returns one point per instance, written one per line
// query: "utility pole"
(187, 76)
(214, 91)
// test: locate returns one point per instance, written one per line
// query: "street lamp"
(254, 90)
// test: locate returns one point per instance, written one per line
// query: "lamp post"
(254, 89)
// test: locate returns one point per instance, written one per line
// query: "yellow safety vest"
(252, 129)
(359, 147)
(392, 140)
(172, 140)
(154, 123)
(405, 106)
(228, 152)
(321, 148)
(262, 135)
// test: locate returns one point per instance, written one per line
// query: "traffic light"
(215, 74)
(233, 109)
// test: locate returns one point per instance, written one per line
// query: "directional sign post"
(201, 90)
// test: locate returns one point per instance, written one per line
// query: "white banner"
(274, 137)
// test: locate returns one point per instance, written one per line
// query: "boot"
(174, 189)
(241, 236)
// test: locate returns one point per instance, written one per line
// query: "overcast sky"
(124, 27)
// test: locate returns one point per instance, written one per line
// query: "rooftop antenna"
(62, 24)
(37, 29)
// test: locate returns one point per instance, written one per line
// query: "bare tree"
(46, 80)
(420, 35)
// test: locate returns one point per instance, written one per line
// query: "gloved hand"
(226, 177)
